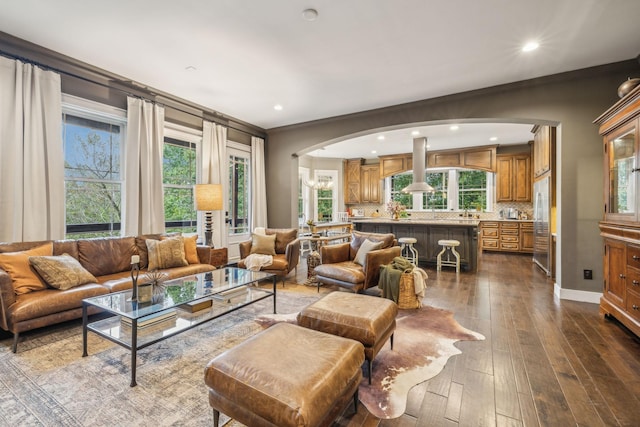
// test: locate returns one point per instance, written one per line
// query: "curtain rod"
(126, 92)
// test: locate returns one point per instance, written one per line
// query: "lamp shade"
(208, 197)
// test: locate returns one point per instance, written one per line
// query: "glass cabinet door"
(621, 152)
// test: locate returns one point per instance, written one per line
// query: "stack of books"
(152, 319)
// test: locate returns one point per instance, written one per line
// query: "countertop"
(443, 221)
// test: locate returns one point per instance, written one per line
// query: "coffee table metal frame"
(229, 288)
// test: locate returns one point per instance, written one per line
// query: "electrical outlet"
(588, 274)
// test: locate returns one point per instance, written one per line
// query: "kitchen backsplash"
(372, 210)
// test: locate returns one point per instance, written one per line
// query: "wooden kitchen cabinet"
(506, 236)
(370, 184)
(513, 178)
(352, 181)
(543, 149)
(620, 228)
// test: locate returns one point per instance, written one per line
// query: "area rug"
(48, 383)
(423, 343)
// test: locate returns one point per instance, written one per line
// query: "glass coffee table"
(180, 304)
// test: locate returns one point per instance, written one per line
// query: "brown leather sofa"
(108, 259)
(287, 249)
(338, 266)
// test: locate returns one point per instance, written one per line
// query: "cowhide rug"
(423, 343)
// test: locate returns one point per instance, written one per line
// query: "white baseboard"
(576, 295)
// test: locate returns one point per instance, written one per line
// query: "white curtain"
(258, 184)
(31, 153)
(144, 200)
(214, 171)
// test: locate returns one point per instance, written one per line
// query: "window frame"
(92, 110)
(333, 174)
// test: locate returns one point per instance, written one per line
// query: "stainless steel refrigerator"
(541, 225)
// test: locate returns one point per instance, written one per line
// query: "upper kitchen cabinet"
(513, 178)
(619, 127)
(370, 184)
(544, 141)
(352, 180)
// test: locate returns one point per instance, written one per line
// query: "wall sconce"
(208, 198)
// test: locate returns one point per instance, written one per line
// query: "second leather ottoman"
(367, 319)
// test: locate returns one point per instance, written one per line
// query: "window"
(93, 141)
(239, 185)
(304, 209)
(326, 199)
(454, 189)
(179, 177)
(472, 189)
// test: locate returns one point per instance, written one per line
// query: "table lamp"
(208, 198)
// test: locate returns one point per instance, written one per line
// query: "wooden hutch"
(620, 228)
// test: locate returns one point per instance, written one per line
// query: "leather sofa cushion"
(346, 271)
(50, 301)
(364, 318)
(106, 256)
(284, 236)
(279, 263)
(296, 387)
(25, 279)
(358, 238)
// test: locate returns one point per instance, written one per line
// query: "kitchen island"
(428, 232)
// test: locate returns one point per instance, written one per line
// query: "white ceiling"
(357, 55)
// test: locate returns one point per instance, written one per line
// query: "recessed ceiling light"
(380, 137)
(493, 138)
(309, 14)
(530, 46)
(428, 146)
(373, 151)
(415, 133)
(454, 127)
(277, 107)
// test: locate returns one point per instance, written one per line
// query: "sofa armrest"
(330, 254)
(374, 260)
(7, 297)
(204, 254)
(292, 253)
(245, 249)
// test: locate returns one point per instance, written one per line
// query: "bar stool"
(451, 246)
(407, 250)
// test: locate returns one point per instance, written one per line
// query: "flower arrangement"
(394, 208)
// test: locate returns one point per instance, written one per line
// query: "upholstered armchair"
(348, 266)
(285, 250)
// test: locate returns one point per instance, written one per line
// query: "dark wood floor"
(545, 362)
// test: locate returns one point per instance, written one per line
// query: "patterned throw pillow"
(190, 248)
(263, 244)
(166, 253)
(25, 279)
(61, 272)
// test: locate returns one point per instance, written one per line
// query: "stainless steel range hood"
(419, 155)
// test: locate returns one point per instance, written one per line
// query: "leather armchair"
(338, 266)
(287, 252)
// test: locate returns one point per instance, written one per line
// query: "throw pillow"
(61, 272)
(366, 247)
(190, 248)
(25, 279)
(263, 244)
(166, 253)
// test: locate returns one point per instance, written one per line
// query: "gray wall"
(570, 100)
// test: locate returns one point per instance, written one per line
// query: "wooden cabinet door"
(522, 178)
(370, 184)
(504, 192)
(615, 263)
(542, 149)
(352, 181)
(526, 239)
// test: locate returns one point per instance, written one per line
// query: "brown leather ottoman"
(285, 376)
(367, 319)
